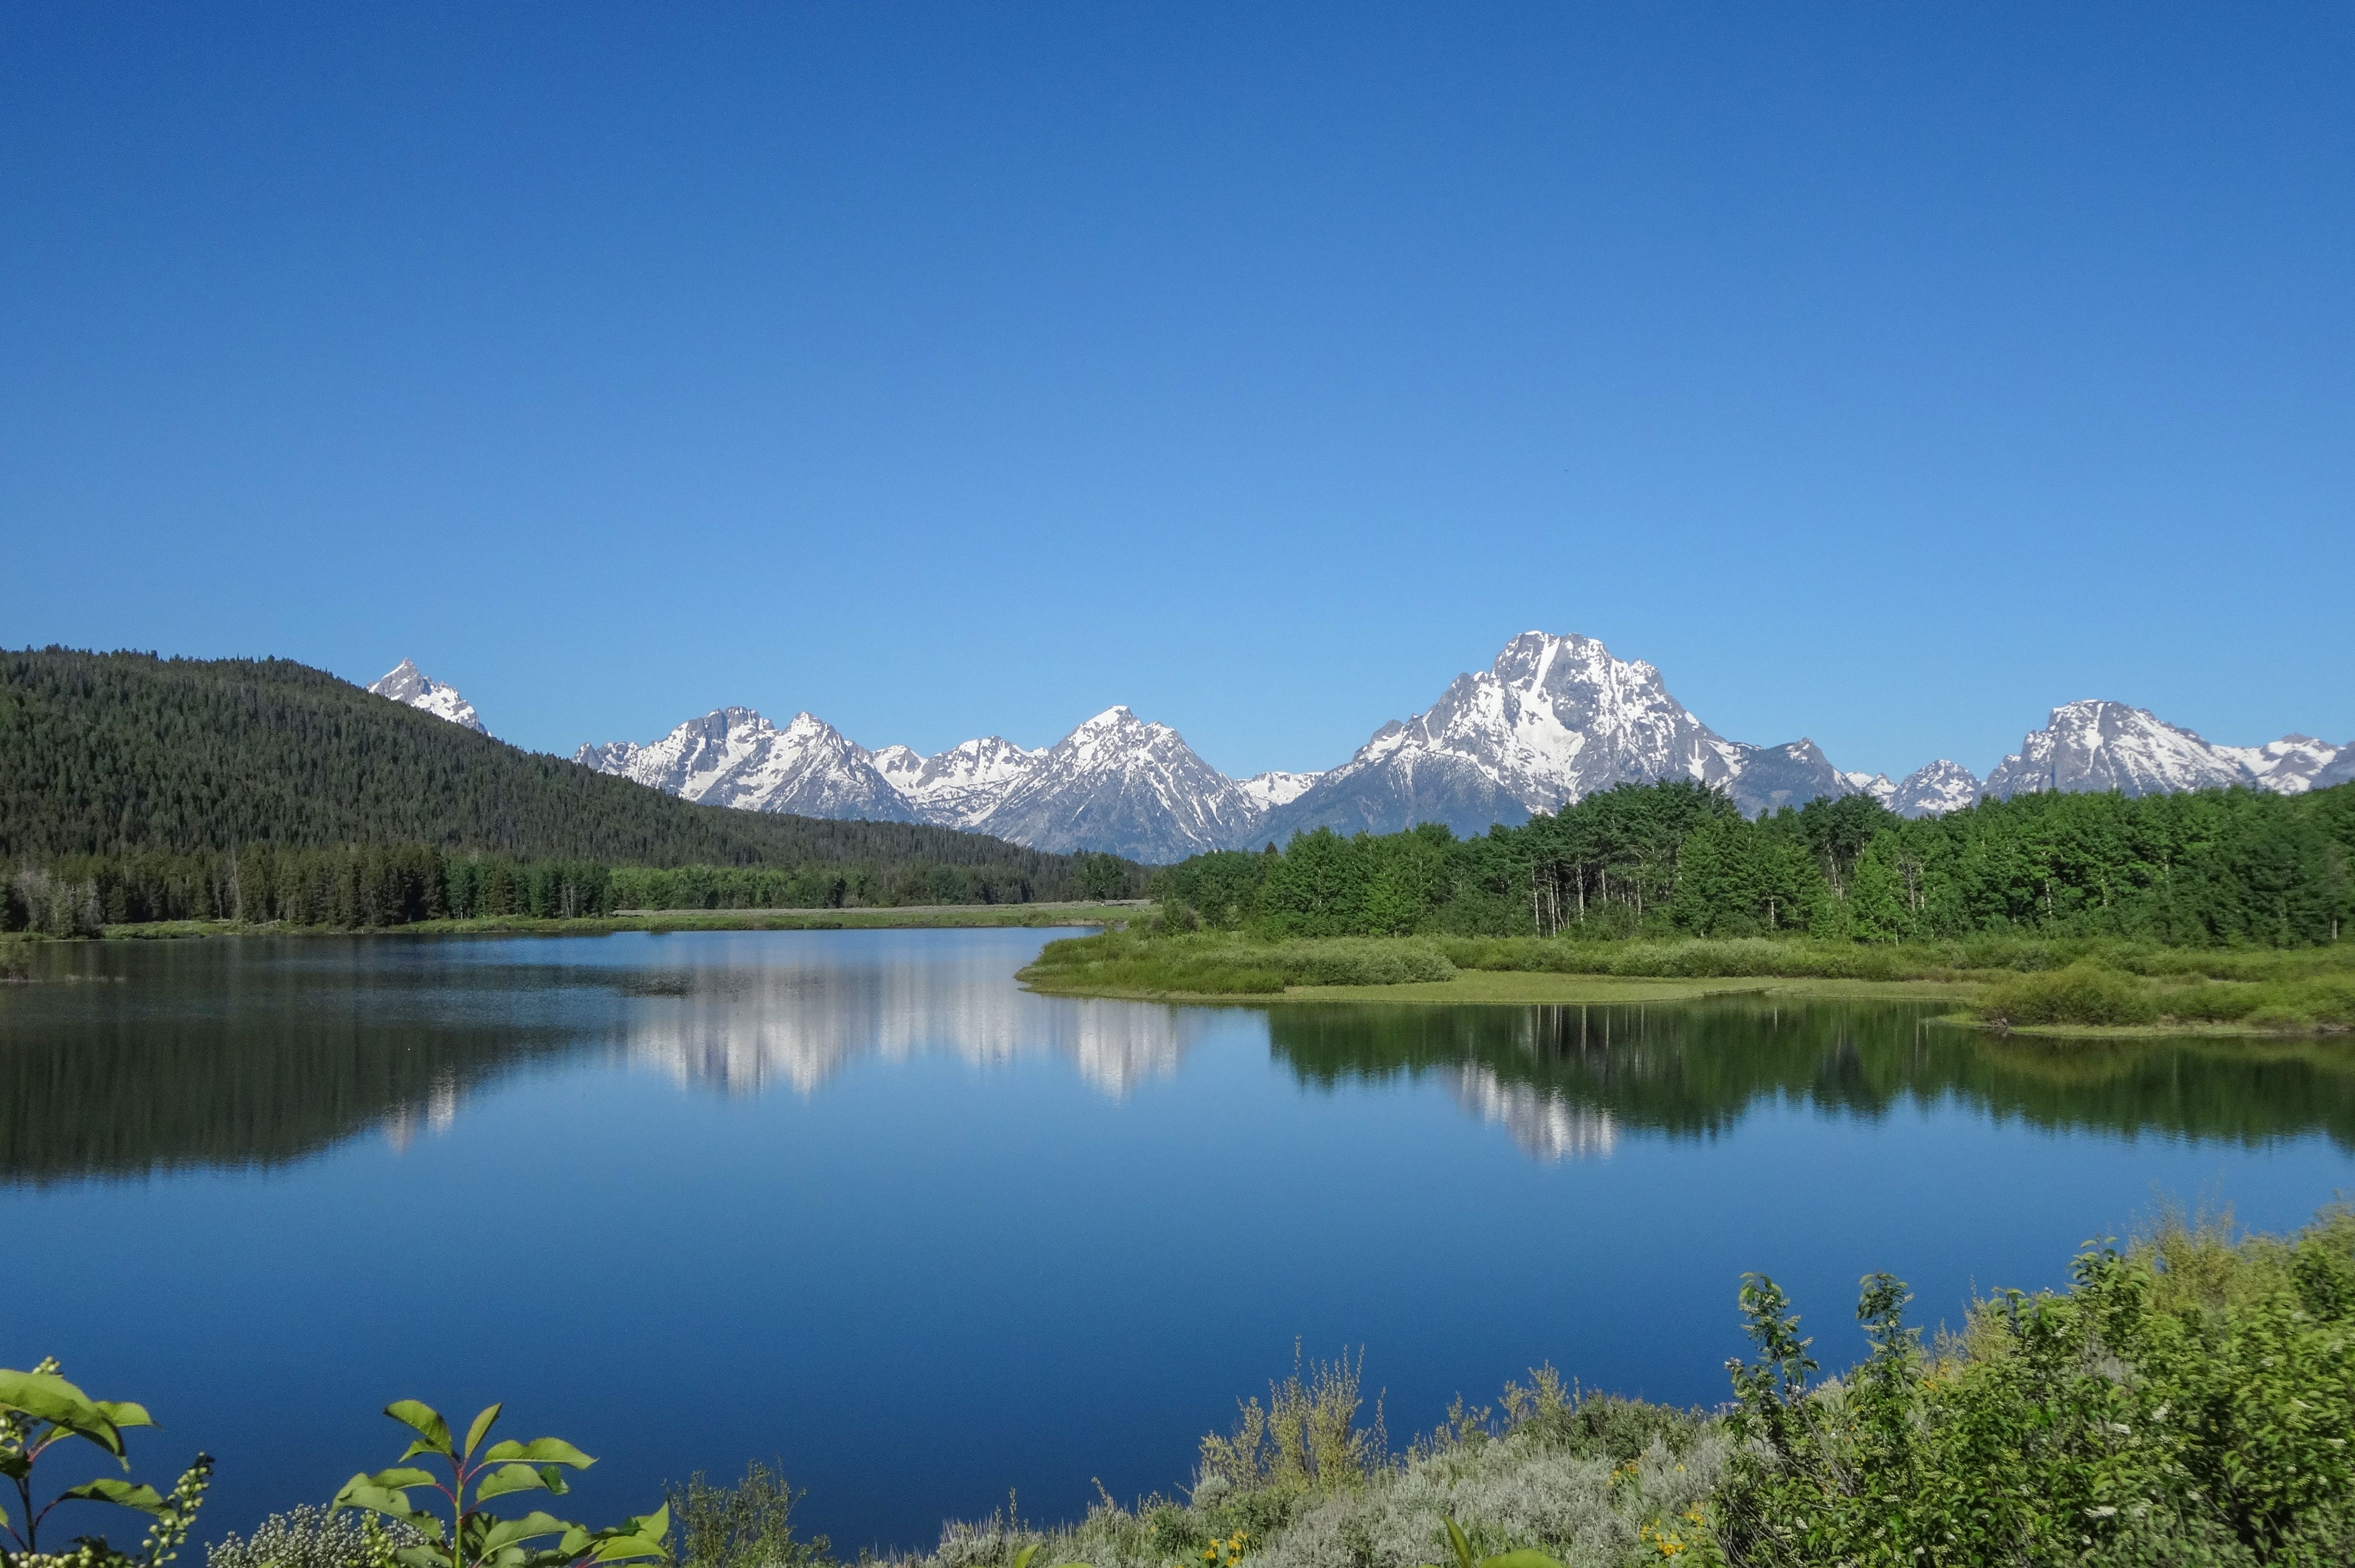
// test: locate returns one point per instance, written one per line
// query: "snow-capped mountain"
(2094, 746)
(404, 682)
(1552, 721)
(733, 756)
(1121, 785)
(1114, 783)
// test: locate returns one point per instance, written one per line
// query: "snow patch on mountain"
(404, 682)
(1270, 790)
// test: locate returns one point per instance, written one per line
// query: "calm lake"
(855, 1202)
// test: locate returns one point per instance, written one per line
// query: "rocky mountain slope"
(1552, 720)
(404, 682)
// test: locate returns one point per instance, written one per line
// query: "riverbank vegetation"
(2185, 1400)
(2008, 982)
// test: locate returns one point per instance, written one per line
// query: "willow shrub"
(2187, 1401)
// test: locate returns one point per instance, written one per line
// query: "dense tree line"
(2210, 868)
(400, 884)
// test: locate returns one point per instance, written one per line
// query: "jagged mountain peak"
(405, 683)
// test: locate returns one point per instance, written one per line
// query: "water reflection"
(796, 1020)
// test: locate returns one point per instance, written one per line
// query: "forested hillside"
(2214, 867)
(198, 775)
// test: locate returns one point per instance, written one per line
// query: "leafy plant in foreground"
(39, 1410)
(475, 1537)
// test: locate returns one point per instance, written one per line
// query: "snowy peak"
(2094, 747)
(733, 756)
(958, 787)
(1122, 785)
(407, 684)
(1551, 720)
(1934, 790)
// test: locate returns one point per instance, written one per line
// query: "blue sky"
(1885, 375)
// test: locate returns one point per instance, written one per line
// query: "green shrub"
(2187, 1401)
(2083, 993)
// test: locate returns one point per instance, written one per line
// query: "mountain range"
(1552, 720)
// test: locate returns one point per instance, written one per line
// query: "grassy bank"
(2011, 983)
(2185, 1401)
(927, 916)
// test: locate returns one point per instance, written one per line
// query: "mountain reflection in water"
(260, 1052)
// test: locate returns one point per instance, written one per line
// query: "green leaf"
(362, 1492)
(1524, 1558)
(648, 1536)
(402, 1476)
(510, 1478)
(1022, 1558)
(424, 1420)
(539, 1451)
(143, 1497)
(552, 1477)
(507, 1531)
(45, 1397)
(482, 1425)
(123, 1412)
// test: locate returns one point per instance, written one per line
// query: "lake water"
(855, 1202)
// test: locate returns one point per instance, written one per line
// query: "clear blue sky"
(1882, 374)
